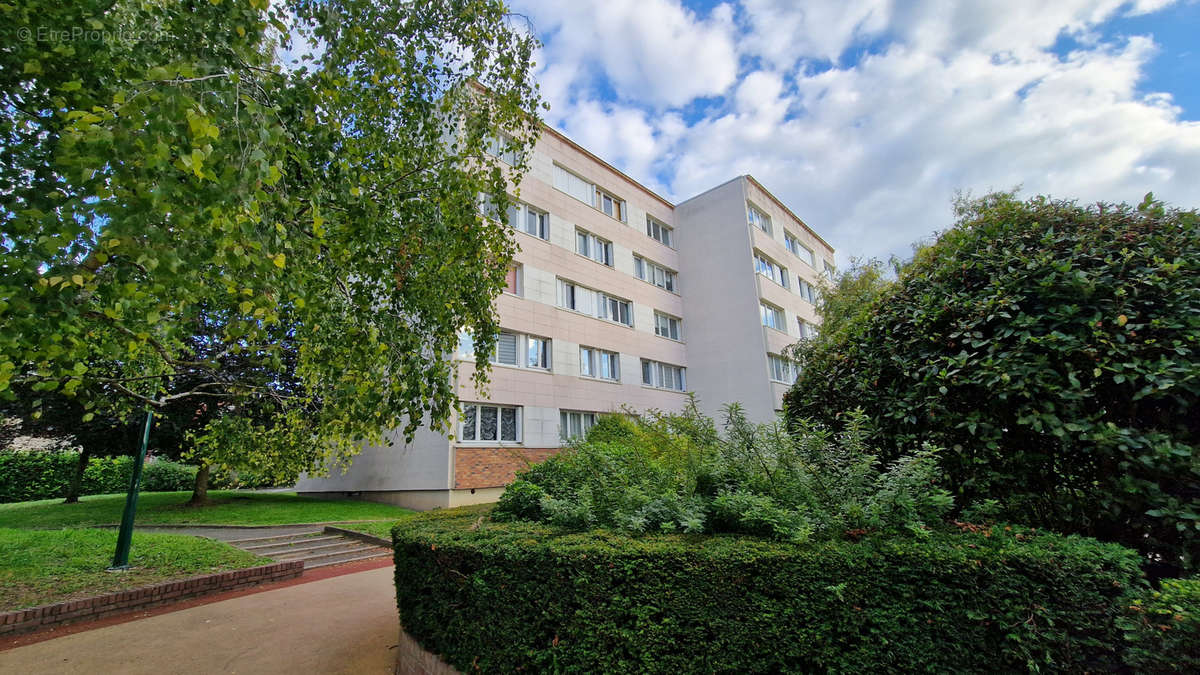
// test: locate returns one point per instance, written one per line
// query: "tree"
(1052, 350)
(162, 170)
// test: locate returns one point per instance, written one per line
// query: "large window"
(600, 364)
(501, 147)
(770, 269)
(772, 317)
(799, 250)
(591, 246)
(573, 185)
(527, 219)
(481, 422)
(574, 424)
(654, 273)
(594, 303)
(781, 369)
(666, 326)
(660, 232)
(510, 346)
(610, 205)
(807, 330)
(806, 291)
(663, 375)
(758, 219)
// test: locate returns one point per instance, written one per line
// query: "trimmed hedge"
(30, 475)
(503, 597)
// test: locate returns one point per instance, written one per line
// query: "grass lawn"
(38, 567)
(230, 508)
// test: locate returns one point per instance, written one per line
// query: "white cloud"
(870, 153)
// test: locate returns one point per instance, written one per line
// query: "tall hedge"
(506, 597)
(1053, 350)
(31, 475)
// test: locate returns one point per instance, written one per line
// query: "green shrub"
(30, 475)
(163, 475)
(520, 596)
(1052, 350)
(26, 475)
(1163, 629)
(675, 473)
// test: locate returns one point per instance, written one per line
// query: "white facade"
(620, 300)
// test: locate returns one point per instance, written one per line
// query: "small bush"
(675, 473)
(1163, 629)
(105, 475)
(526, 597)
(163, 475)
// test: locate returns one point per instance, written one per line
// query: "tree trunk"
(76, 484)
(200, 491)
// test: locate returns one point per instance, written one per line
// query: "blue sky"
(867, 116)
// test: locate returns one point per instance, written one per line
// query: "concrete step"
(253, 540)
(265, 549)
(357, 549)
(378, 553)
(308, 551)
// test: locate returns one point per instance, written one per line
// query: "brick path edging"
(24, 620)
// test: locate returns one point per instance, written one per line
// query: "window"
(807, 330)
(659, 232)
(490, 423)
(591, 246)
(572, 424)
(758, 219)
(663, 375)
(573, 185)
(615, 309)
(772, 317)
(611, 205)
(806, 291)
(830, 270)
(501, 148)
(654, 273)
(593, 303)
(506, 349)
(537, 352)
(770, 269)
(600, 364)
(529, 220)
(666, 326)
(512, 280)
(799, 250)
(466, 345)
(781, 369)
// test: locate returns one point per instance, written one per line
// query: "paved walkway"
(344, 624)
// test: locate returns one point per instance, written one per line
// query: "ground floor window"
(481, 422)
(574, 424)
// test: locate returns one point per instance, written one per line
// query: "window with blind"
(573, 185)
(594, 303)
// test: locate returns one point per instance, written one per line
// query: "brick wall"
(23, 620)
(494, 467)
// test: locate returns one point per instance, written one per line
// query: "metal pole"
(125, 536)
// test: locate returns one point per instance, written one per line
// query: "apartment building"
(618, 299)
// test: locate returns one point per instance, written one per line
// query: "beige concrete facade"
(720, 352)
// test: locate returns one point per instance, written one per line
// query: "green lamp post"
(125, 536)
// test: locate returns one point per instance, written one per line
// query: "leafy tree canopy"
(166, 178)
(1053, 350)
